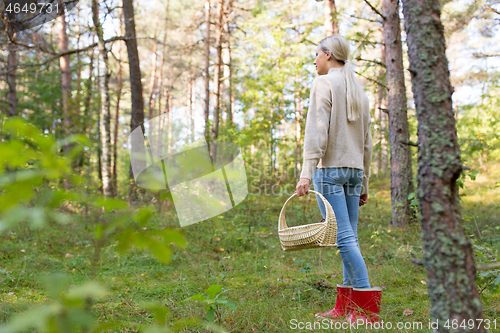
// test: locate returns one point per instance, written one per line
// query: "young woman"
(337, 157)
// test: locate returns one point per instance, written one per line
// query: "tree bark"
(88, 88)
(12, 78)
(119, 86)
(137, 117)
(65, 70)
(230, 97)
(448, 258)
(331, 18)
(152, 81)
(401, 172)
(78, 71)
(217, 72)
(107, 182)
(207, 66)
(162, 60)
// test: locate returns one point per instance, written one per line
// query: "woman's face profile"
(321, 61)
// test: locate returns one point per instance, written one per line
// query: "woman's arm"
(317, 126)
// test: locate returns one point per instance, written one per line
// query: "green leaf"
(143, 216)
(55, 283)
(36, 317)
(173, 236)
(211, 315)
(125, 240)
(162, 252)
(104, 326)
(159, 312)
(88, 290)
(111, 203)
(197, 298)
(213, 290)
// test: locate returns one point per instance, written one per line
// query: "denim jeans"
(341, 187)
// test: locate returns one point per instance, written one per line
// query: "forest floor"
(273, 290)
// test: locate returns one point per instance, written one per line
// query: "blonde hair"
(338, 47)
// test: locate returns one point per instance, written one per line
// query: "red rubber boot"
(366, 303)
(343, 306)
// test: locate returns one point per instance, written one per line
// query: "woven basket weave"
(308, 236)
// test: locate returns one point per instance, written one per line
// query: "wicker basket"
(308, 236)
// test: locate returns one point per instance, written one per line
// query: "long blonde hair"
(338, 47)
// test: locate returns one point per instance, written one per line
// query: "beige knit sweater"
(332, 141)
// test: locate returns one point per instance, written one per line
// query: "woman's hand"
(302, 187)
(363, 199)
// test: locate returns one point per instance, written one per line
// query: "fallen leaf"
(407, 312)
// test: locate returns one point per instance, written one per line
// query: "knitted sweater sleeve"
(317, 126)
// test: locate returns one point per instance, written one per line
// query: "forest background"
(71, 79)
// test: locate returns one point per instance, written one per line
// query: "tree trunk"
(162, 61)
(207, 66)
(401, 173)
(107, 182)
(88, 88)
(65, 70)
(119, 83)
(331, 18)
(230, 97)
(152, 80)
(12, 78)
(448, 258)
(137, 117)
(78, 71)
(298, 130)
(217, 72)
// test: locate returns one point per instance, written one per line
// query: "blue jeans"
(341, 187)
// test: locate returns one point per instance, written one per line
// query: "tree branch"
(370, 60)
(58, 55)
(375, 9)
(488, 266)
(370, 79)
(409, 143)
(417, 262)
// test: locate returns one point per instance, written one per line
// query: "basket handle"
(330, 215)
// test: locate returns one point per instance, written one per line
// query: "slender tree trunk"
(207, 66)
(152, 81)
(162, 61)
(12, 78)
(217, 72)
(192, 103)
(169, 119)
(298, 130)
(331, 18)
(137, 117)
(377, 156)
(401, 173)
(107, 181)
(78, 71)
(119, 83)
(382, 116)
(65, 70)
(448, 257)
(98, 127)
(88, 87)
(229, 105)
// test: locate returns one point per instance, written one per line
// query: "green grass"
(240, 250)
